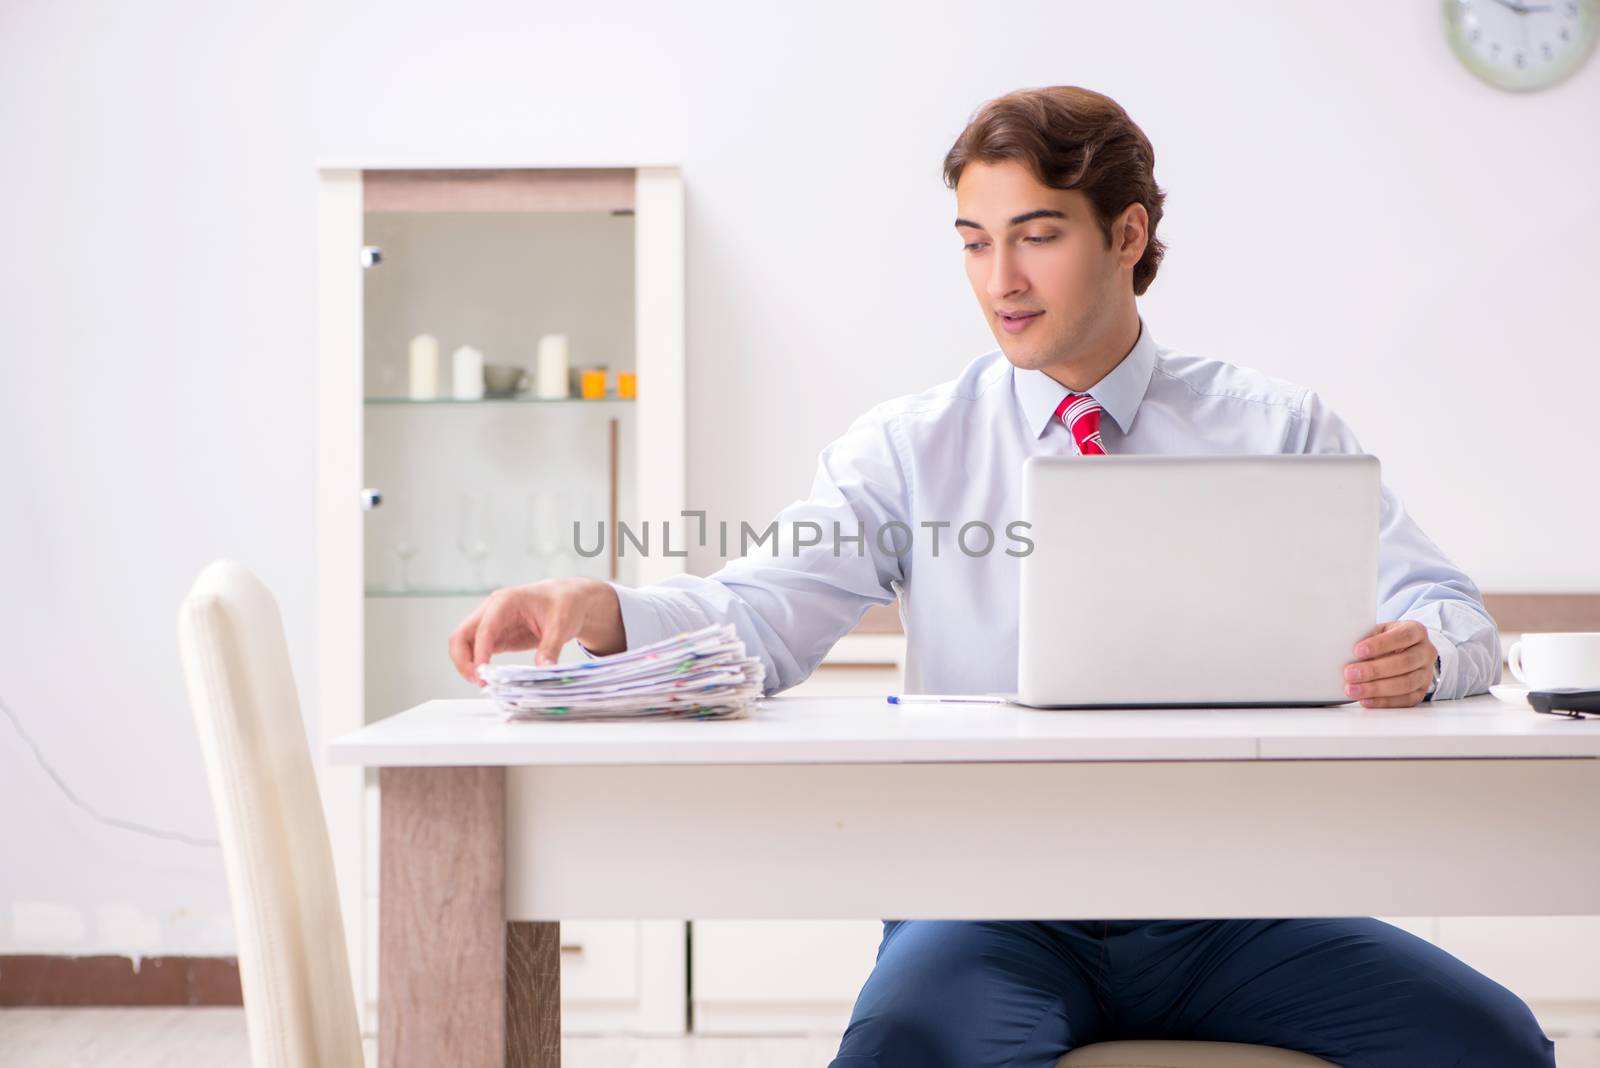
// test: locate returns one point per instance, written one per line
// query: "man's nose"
(1004, 278)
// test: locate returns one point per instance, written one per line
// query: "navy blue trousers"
(1357, 992)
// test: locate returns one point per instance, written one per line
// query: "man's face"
(1038, 263)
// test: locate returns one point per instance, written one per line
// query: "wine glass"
(549, 513)
(406, 543)
(473, 533)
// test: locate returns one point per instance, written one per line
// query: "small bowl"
(504, 380)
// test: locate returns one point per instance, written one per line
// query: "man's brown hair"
(1070, 138)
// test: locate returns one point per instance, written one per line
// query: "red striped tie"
(1081, 413)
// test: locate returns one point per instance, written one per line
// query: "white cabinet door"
(599, 963)
(623, 978)
(790, 977)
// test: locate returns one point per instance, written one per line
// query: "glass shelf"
(495, 400)
(381, 594)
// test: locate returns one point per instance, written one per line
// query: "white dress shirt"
(953, 454)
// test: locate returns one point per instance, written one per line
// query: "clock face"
(1522, 44)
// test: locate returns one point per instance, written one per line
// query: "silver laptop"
(1195, 580)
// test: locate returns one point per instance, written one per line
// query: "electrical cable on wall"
(109, 821)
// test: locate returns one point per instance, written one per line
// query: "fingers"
(1390, 638)
(542, 615)
(1394, 666)
(559, 628)
(1410, 700)
(1385, 667)
(1411, 683)
(489, 627)
(461, 644)
(507, 622)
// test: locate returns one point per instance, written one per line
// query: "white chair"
(1186, 1055)
(299, 1003)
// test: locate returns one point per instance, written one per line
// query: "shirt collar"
(1120, 392)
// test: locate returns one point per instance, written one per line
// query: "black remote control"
(1574, 703)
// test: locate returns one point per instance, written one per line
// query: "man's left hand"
(1393, 667)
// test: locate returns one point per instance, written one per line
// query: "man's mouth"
(1017, 322)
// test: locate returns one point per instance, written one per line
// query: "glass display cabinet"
(500, 384)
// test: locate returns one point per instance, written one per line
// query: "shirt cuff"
(640, 626)
(1449, 666)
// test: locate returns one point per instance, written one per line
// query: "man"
(1057, 209)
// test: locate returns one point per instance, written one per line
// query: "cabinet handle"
(572, 950)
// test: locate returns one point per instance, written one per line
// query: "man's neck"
(1092, 363)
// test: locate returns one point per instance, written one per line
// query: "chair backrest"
(299, 1002)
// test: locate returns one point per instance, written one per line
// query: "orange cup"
(592, 385)
(627, 385)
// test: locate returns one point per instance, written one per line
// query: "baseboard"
(78, 981)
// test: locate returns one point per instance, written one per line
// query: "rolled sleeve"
(640, 623)
(1468, 646)
(1449, 669)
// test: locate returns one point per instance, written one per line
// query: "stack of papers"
(702, 674)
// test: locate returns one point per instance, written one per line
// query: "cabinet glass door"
(484, 460)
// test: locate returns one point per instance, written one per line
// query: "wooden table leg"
(533, 995)
(442, 918)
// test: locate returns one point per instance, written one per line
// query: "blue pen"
(945, 698)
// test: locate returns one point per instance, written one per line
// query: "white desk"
(829, 808)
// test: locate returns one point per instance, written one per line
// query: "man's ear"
(1130, 234)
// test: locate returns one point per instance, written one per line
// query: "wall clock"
(1522, 44)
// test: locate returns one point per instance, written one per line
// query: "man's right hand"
(543, 616)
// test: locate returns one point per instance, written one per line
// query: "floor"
(182, 1038)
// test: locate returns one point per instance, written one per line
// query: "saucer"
(1511, 695)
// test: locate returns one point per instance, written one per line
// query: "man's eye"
(1039, 239)
(973, 246)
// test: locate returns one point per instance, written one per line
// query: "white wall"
(1347, 208)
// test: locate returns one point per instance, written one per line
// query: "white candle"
(466, 366)
(424, 367)
(553, 366)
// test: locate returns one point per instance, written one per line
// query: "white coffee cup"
(1557, 661)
